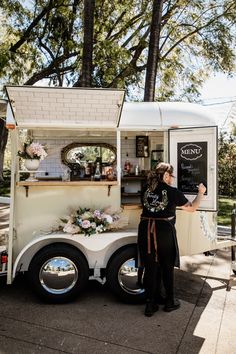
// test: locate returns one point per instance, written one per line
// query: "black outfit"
(157, 242)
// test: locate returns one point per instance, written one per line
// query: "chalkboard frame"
(198, 134)
(142, 146)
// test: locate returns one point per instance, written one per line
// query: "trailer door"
(193, 154)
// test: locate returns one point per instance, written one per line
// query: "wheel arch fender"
(26, 255)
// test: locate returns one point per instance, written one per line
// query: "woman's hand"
(201, 188)
(191, 207)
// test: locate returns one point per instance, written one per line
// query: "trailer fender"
(97, 249)
(24, 258)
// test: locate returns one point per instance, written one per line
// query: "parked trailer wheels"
(122, 276)
(58, 273)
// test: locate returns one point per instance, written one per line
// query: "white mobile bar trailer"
(59, 264)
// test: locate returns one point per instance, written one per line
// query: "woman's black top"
(162, 202)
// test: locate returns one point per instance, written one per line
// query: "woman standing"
(157, 242)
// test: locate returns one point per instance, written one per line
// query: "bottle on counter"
(127, 167)
(66, 175)
(137, 170)
(87, 168)
(97, 174)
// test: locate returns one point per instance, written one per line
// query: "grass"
(226, 205)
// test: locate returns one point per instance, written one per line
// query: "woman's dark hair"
(156, 176)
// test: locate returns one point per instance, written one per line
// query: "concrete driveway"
(97, 322)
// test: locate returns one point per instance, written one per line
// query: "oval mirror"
(82, 153)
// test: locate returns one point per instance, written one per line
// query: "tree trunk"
(3, 143)
(153, 51)
(85, 79)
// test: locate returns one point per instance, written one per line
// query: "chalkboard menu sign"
(142, 149)
(192, 166)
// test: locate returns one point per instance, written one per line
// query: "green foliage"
(5, 184)
(227, 165)
(44, 41)
(226, 206)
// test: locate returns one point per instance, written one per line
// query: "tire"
(53, 284)
(122, 276)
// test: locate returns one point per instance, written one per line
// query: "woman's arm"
(192, 206)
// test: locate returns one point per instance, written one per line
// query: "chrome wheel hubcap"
(58, 275)
(128, 278)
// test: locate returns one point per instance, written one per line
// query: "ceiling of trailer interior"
(34, 106)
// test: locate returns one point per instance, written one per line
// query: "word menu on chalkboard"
(192, 166)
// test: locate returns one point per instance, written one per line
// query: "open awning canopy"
(58, 107)
(33, 107)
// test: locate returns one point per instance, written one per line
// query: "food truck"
(99, 149)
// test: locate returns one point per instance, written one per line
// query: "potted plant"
(32, 153)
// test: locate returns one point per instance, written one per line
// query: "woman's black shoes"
(171, 305)
(150, 308)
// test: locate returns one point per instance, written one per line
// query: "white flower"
(86, 215)
(71, 228)
(93, 225)
(100, 228)
(108, 218)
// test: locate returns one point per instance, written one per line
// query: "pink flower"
(85, 224)
(97, 214)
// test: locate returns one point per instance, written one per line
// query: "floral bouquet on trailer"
(32, 150)
(87, 221)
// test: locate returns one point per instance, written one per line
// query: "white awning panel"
(164, 115)
(58, 107)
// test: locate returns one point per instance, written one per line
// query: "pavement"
(98, 323)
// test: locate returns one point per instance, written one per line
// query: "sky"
(219, 95)
(219, 86)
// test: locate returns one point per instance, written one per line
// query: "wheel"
(122, 276)
(58, 273)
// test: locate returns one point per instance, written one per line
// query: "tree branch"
(132, 65)
(198, 29)
(51, 69)
(33, 24)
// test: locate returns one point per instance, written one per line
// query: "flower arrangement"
(31, 150)
(88, 222)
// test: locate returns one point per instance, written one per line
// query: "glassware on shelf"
(97, 174)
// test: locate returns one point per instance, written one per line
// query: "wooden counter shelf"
(69, 183)
(54, 183)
